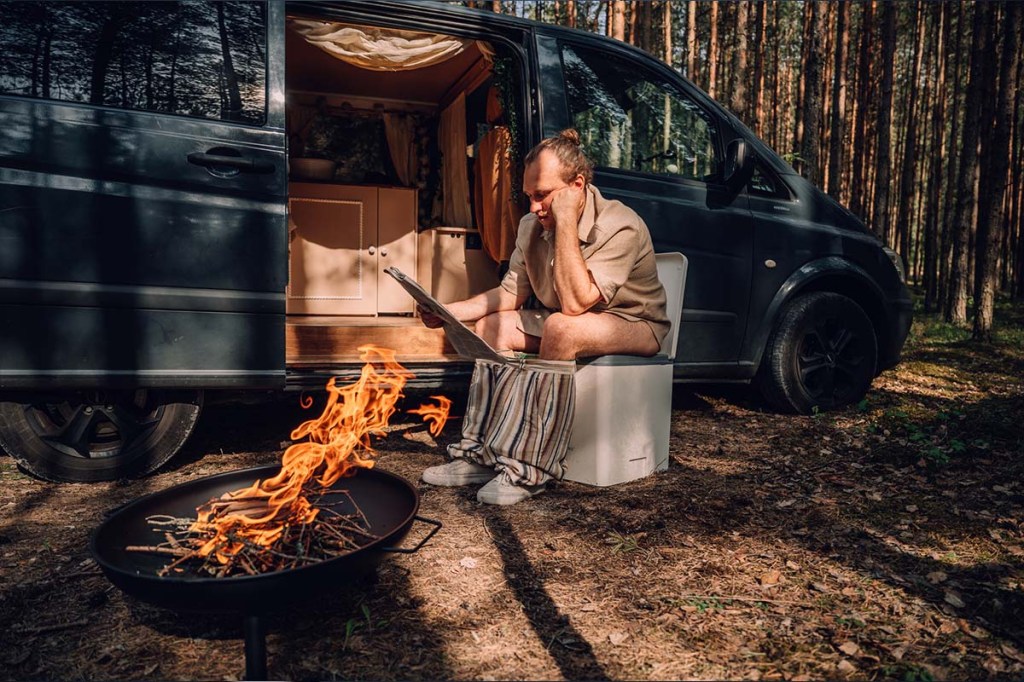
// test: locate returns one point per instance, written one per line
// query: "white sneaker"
(458, 472)
(501, 490)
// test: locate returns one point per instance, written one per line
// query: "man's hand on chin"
(567, 206)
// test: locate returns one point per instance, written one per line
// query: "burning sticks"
(296, 517)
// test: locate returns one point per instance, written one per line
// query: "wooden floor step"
(328, 341)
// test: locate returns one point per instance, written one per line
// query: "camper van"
(202, 197)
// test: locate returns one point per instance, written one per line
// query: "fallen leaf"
(792, 565)
(936, 577)
(786, 503)
(911, 508)
(846, 667)
(617, 638)
(420, 437)
(898, 652)
(849, 648)
(874, 497)
(947, 628)
(467, 562)
(772, 577)
(953, 599)
(820, 587)
(1012, 652)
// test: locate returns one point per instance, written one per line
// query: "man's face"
(541, 179)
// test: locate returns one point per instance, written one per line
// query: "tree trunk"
(908, 175)
(713, 50)
(759, 37)
(692, 43)
(952, 166)
(738, 96)
(617, 10)
(570, 13)
(666, 33)
(836, 141)
(234, 97)
(938, 157)
(859, 151)
(1017, 213)
(883, 173)
(103, 54)
(811, 143)
(967, 180)
(993, 193)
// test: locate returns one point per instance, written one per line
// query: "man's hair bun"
(570, 135)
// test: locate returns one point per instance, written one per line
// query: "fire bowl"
(389, 503)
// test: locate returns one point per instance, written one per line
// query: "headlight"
(897, 263)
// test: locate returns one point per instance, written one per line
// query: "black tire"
(822, 355)
(98, 435)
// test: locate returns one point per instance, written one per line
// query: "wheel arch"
(833, 274)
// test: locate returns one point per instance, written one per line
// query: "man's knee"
(561, 331)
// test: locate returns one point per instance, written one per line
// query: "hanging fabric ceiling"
(381, 49)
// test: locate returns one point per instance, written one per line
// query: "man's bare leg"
(501, 332)
(567, 337)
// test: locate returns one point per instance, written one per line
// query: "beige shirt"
(617, 249)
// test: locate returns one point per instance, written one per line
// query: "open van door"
(143, 236)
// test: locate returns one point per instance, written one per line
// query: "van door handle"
(239, 163)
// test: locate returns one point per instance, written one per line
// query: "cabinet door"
(333, 254)
(397, 248)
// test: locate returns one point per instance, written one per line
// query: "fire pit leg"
(255, 648)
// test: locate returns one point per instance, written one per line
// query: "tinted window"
(764, 183)
(205, 59)
(632, 119)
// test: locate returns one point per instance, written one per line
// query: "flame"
(437, 415)
(338, 444)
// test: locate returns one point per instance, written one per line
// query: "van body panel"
(123, 263)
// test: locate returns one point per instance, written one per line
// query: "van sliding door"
(143, 238)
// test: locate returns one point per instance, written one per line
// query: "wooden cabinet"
(341, 237)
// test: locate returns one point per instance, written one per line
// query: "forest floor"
(882, 541)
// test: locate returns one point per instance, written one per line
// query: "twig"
(156, 549)
(51, 628)
(721, 597)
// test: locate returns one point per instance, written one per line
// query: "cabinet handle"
(384, 251)
(372, 250)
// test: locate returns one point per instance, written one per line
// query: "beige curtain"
(379, 49)
(454, 176)
(400, 129)
(497, 211)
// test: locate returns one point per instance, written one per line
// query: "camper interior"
(400, 154)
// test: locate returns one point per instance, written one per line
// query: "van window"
(204, 59)
(630, 118)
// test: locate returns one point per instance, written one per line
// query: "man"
(589, 264)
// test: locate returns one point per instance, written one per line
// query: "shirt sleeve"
(613, 259)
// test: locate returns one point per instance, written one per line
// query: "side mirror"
(739, 165)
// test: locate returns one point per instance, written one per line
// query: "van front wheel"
(92, 436)
(822, 355)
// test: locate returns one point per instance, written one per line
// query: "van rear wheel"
(90, 436)
(821, 356)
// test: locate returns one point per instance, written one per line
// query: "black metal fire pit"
(389, 503)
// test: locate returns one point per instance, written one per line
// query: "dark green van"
(199, 197)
